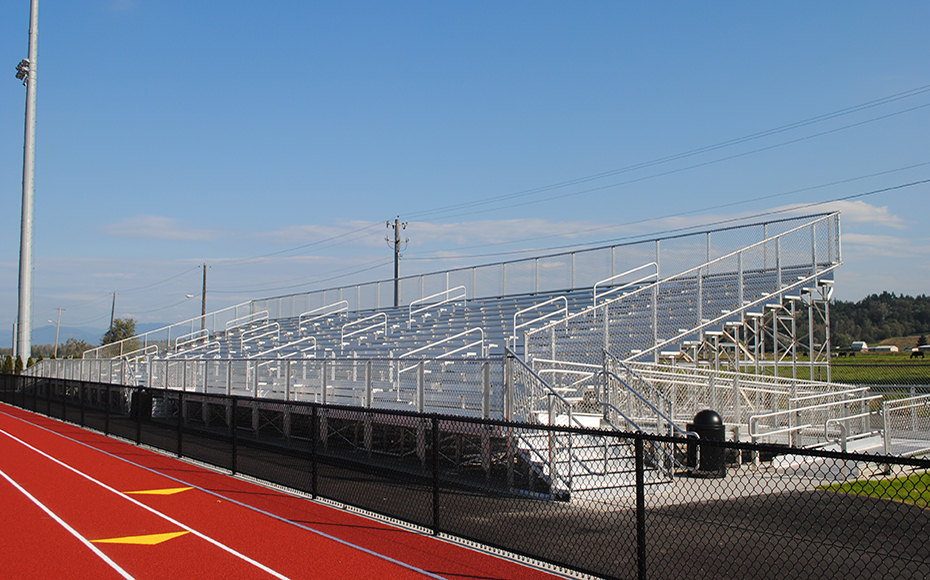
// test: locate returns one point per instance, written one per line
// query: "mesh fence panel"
(798, 513)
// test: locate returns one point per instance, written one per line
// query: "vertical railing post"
(421, 387)
(314, 436)
(106, 413)
(435, 444)
(137, 395)
(180, 421)
(233, 436)
(485, 390)
(640, 507)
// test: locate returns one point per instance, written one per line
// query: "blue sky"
(248, 135)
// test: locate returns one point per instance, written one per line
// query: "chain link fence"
(799, 514)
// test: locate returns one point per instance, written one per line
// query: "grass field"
(914, 489)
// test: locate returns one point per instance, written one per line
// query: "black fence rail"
(797, 514)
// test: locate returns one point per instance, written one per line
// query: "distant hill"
(879, 317)
(90, 335)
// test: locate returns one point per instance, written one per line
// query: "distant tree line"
(880, 316)
(121, 329)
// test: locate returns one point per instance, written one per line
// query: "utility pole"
(57, 328)
(398, 226)
(203, 300)
(27, 71)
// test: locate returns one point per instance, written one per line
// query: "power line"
(729, 143)
(792, 208)
(695, 166)
(680, 214)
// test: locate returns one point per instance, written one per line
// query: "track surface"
(77, 504)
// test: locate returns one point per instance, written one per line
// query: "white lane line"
(71, 530)
(150, 509)
(239, 503)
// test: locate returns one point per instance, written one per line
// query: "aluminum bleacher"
(561, 339)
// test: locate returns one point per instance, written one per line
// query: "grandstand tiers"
(636, 336)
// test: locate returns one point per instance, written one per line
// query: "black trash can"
(708, 425)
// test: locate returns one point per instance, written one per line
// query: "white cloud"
(156, 227)
(887, 246)
(860, 212)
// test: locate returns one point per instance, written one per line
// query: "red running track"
(76, 504)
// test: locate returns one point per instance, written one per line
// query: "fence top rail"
(907, 402)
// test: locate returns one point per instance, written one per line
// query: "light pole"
(27, 71)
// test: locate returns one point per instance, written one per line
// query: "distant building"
(859, 346)
(884, 348)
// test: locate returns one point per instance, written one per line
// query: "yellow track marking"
(168, 491)
(148, 540)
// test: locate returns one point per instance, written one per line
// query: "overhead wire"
(677, 214)
(703, 225)
(690, 153)
(690, 167)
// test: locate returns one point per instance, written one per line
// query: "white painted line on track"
(166, 517)
(241, 504)
(71, 530)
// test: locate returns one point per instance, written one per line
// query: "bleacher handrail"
(213, 347)
(289, 345)
(449, 339)
(322, 312)
(259, 332)
(191, 337)
(449, 298)
(247, 319)
(650, 278)
(383, 324)
(140, 353)
(518, 313)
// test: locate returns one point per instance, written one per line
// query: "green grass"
(914, 489)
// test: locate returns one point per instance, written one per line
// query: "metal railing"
(451, 296)
(615, 289)
(554, 272)
(311, 316)
(366, 325)
(641, 323)
(213, 322)
(528, 324)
